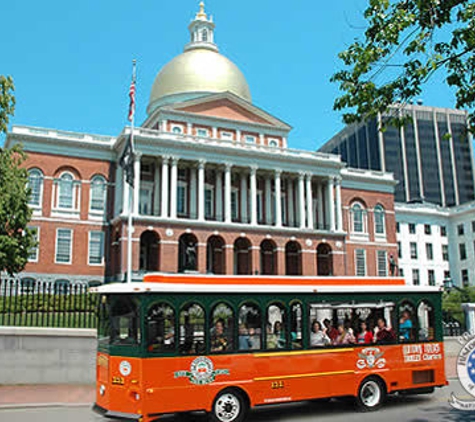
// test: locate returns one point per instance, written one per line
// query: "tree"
(404, 44)
(452, 302)
(16, 239)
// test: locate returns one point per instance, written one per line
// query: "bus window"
(161, 328)
(222, 329)
(425, 314)
(104, 329)
(250, 324)
(406, 322)
(192, 325)
(124, 321)
(275, 327)
(296, 325)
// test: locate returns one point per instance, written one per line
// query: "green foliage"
(7, 101)
(404, 44)
(452, 302)
(16, 239)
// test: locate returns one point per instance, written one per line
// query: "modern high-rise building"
(430, 155)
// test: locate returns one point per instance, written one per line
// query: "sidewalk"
(46, 395)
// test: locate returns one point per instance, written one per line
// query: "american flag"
(132, 100)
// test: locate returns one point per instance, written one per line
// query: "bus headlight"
(102, 390)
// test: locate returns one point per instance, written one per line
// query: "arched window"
(275, 327)
(204, 35)
(192, 328)
(407, 322)
(250, 324)
(296, 313)
(426, 317)
(222, 329)
(66, 191)
(161, 328)
(35, 183)
(98, 194)
(379, 220)
(357, 218)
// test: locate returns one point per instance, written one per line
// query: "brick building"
(219, 190)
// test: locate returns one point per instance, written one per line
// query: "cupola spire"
(201, 31)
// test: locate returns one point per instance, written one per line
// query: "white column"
(156, 189)
(238, 136)
(137, 158)
(331, 204)
(201, 190)
(301, 201)
(165, 187)
(268, 187)
(278, 199)
(261, 138)
(189, 129)
(309, 201)
(290, 202)
(125, 194)
(219, 195)
(321, 215)
(253, 198)
(227, 193)
(338, 210)
(244, 216)
(193, 191)
(164, 125)
(214, 132)
(173, 187)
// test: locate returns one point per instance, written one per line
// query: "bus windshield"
(124, 321)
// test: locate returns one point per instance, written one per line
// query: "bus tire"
(230, 405)
(371, 394)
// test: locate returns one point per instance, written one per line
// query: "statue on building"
(190, 253)
(392, 265)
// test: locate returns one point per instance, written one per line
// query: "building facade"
(216, 189)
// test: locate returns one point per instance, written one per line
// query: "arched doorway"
(215, 255)
(187, 253)
(149, 251)
(293, 258)
(324, 259)
(268, 257)
(242, 256)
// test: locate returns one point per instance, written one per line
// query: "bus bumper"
(116, 415)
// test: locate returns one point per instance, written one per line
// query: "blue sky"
(71, 61)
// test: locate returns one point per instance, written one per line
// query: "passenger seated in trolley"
(248, 339)
(384, 335)
(275, 337)
(365, 336)
(344, 336)
(405, 326)
(219, 342)
(317, 336)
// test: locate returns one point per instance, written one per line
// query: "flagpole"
(131, 189)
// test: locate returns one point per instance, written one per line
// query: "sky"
(71, 61)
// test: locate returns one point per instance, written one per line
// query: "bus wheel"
(371, 394)
(229, 406)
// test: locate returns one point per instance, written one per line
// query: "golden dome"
(196, 72)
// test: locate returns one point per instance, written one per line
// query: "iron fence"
(34, 303)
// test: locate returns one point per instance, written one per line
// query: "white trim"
(72, 222)
(89, 248)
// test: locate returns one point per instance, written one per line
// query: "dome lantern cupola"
(201, 31)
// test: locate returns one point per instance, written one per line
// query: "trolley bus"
(225, 344)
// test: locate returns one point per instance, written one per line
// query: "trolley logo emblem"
(201, 371)
(371, 357)
(465, 372)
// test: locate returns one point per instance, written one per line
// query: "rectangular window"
(34, 252)
(399, 250)
(463, 252)
(401, 272)
(209, 202)
(382, 263)
(460, 229)
(260, 211)
(145, 201)
(465, 278)
(182, 194)
(234, 205)
(250, 139)
(415, 277)
(445, 252)
(63, 246)
(429, 251)
(228, 136)
(412, 228)
(413, 246)
(202, 132)
(398, 228)
(96, 248)
(360, 258)
(427, 229)
(431, 277)
(473, 226)
(446, 275)
(443, 231)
